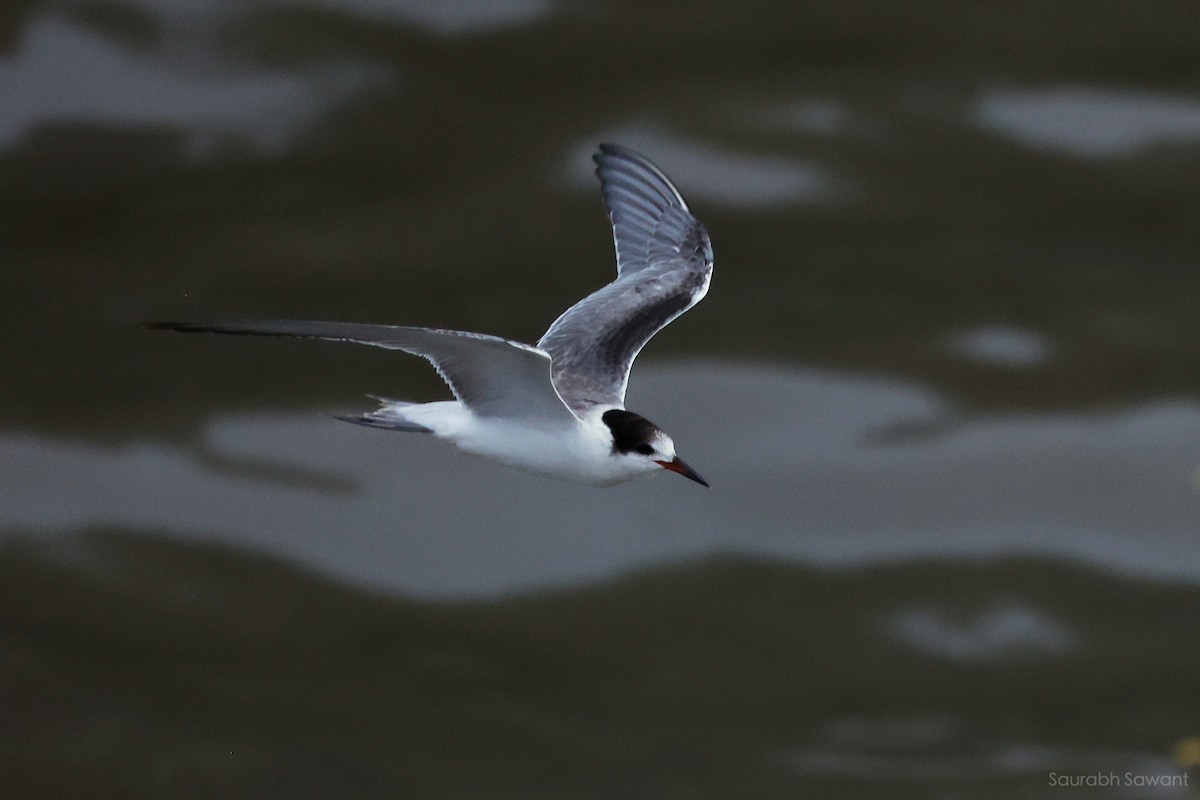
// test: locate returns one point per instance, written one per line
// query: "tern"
(557, 408)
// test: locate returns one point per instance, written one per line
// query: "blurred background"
(945, 387)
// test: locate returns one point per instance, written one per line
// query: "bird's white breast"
(577, 450)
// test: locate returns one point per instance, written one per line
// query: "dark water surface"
(945, 388)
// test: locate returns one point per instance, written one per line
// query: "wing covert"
(664, 264)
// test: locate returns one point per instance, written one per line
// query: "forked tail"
(389, 416)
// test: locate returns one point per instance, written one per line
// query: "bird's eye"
(644, 449)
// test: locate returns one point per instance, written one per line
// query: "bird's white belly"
(565, 452)
(573, 451)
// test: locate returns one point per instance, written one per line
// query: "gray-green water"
(945, 387)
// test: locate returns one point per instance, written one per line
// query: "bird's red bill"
(677, 465)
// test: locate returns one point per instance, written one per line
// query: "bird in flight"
(556, 408)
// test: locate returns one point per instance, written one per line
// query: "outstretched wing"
(664, 264)
(491, 376)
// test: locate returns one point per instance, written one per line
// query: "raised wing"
(664, 264)
(491, 376)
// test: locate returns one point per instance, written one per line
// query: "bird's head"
(640, 442)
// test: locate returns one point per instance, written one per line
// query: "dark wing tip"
(252, 328)
(628, 174)
(619, 150)
(608, 150)
(182, 327)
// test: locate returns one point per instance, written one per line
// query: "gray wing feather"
(664, 264)
(490, 375)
